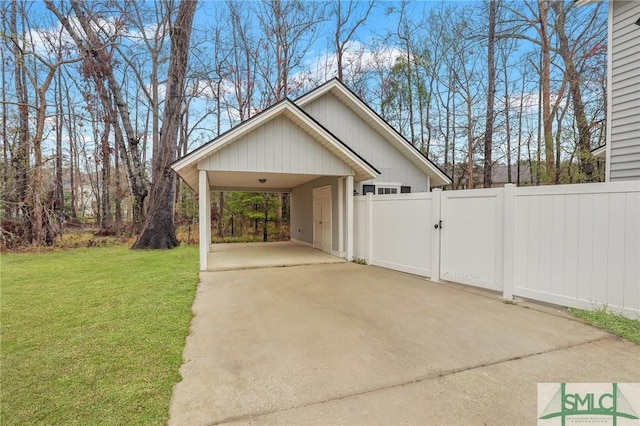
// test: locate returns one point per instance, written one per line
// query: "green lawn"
(626, 328)
(93, 336)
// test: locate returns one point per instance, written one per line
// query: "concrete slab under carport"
(351, 344)
(232, 256)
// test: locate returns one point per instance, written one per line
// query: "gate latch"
(438, 225)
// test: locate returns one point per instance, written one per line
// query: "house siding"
(302, 210)
(394, 167)
(625, 96)
(278, 146)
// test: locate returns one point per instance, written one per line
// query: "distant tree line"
(99, 97)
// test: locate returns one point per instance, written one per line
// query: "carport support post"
(369, 239)
(349, 194)
(204, 220)
(341, 216)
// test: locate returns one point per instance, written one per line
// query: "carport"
(282, 149)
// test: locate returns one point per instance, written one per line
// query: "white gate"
(396, 232)
(575, 245)
(472, 237)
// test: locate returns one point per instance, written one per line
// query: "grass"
(93, 335)
(626, 328)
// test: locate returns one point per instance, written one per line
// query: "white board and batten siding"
(359, 136)
(624, 120)
(278, 146)
(579, 245)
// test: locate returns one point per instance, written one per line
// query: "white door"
(322, 218)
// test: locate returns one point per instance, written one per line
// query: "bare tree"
(20, 158)
(289, 28)
(348, 18)
(573, 76)
(491, 92)
(32, 203)
(97, 60)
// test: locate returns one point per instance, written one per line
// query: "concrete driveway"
(350, 344)
(228, 257)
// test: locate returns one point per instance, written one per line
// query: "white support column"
(369, 238)
(437, 234)
(509, 246)
(349, 195)
(204, 217)
(208, 216)
(341, 216)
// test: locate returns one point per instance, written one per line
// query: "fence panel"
(579, 245)
(472, 237)
(360, 226)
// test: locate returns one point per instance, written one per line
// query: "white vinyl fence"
(572, 245)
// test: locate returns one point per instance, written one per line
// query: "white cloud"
(357, 60)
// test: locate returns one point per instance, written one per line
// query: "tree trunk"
(546, 91)
(159, 228)
(470, 184)
(221, 216)
(20, 159)
(507, 116)
(491, 69)
(5, 145)
(105, 204)
(584, 131)
(58, 202)
(265, 235)
(117, 190)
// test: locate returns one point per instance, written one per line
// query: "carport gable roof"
(387, 131)
(187, 166)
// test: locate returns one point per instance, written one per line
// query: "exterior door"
(322, 218)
